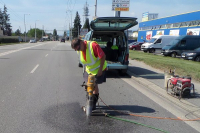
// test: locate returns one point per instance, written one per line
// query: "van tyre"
(122, 72)
(197, 58)
(173, 55)
(152, 50)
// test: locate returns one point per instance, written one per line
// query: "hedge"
(8, 40)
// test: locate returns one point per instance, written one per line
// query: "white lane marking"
(13, 51)
(46, 55)
(35, 68)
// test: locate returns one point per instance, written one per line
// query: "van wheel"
(152, 50)
(173, 55)
(122, 72)
(197, 58)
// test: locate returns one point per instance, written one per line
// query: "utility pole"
(95, 8)
(25, 25)
(42, 31)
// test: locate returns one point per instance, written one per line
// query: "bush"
(8, 40)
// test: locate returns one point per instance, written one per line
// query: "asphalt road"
(40, 93)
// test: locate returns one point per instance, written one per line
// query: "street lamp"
(35, 29)
(25, 25)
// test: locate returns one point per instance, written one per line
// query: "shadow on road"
(145, 73)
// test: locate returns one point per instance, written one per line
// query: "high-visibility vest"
(92, 63)
(114, 47)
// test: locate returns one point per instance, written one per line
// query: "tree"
(31, 33)
(77, 25)
(5, 22)
(17, 32)
(87, 25)
(65, 34)
(55, 36)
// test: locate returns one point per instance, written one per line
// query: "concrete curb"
(193, 109)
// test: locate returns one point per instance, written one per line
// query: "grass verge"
(182, 67)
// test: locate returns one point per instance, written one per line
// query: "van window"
(158, 41)
(182, 43)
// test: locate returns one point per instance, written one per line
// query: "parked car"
(135, 45)
(157, 42)
(192, 55)
(108, 32)
(62, 40)
(32, 41)
(181, 44)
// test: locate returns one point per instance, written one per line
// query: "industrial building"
(180, 24)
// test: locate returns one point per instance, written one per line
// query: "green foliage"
(183, 67)
(17, 32)
(87, 24)
(31, 33)
(65, 34)
(4, 22)
(77, 26)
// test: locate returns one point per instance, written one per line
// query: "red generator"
(180, 86)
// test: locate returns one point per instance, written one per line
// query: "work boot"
(95, 99)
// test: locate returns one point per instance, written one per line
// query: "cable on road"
(136, 123)
(179, 119)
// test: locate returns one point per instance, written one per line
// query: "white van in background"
(157, 42)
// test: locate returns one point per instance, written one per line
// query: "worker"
(93, 57)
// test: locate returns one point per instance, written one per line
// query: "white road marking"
(46, 55)
(35, 68)
(13, 51)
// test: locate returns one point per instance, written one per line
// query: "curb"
(193, 109)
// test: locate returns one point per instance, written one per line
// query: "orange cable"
(179, 119)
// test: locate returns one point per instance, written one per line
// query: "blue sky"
(52, 14)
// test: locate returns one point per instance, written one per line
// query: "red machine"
(180, 86)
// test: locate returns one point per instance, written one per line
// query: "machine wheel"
(173, 55)
(180, 94)
(145, 51)
(169, 86)
(152, 50)
(197, 58)
(80, 65)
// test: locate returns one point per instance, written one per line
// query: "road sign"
(120, 5)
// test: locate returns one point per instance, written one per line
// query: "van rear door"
(113, 23)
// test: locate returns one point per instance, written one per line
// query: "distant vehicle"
(62, 40)
(41, 40)
(157, 42)
(32, 41)
(192, 55)
(181, 44)
(135, 45)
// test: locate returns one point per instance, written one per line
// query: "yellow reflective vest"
(92, 63)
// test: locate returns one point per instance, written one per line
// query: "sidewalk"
(154, 79)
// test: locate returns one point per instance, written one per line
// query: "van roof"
(188, 36)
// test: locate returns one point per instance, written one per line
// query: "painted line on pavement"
(13, 51)
(35, 68)
(46, 55)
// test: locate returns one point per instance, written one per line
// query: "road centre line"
(35, 68)
(46, 55)
(13, 51)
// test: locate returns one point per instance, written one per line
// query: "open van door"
(113, 23)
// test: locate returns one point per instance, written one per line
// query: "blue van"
(181, 44)
(109, 32)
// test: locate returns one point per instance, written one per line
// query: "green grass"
(183, 67)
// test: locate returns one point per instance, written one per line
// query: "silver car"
(32, 41)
